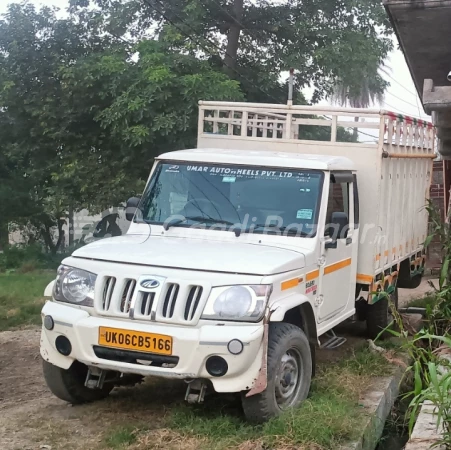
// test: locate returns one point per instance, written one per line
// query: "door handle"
(348, 240)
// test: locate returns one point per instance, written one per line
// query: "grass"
(121, 437)
(327, 419)
(21, 298)
(423, 302)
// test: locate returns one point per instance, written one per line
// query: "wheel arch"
(297, 310)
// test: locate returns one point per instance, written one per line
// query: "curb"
(425, 433)
(377, 401)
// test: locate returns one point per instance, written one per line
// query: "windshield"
(254, 199)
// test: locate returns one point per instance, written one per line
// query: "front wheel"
(289, 374)
(69, 385)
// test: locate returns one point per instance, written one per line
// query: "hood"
(230, 257)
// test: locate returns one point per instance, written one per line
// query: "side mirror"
(338, 228)
(132, 204)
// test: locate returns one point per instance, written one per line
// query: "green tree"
(324, 40)
(86, 113)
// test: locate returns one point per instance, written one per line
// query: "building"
(423, 31)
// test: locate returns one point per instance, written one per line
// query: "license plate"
(135, 340)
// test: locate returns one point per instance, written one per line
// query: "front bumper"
(192, 345)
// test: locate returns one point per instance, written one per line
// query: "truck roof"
(264, 158)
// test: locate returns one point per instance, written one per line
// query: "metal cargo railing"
(282, 122)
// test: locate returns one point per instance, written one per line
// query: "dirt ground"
(32, 418)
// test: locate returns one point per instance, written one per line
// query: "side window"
(338, 201)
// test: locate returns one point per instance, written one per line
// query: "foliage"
(31, 256)
(144, 107)
(21, 298)
(430, 348)
(324, 40)
(83, 114)
(88, 100)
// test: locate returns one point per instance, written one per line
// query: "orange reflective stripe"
(312, 275)
(288, 284)
(337, 266)
(362, 278)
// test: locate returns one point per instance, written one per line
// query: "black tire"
(411, 283)
(379, 316)
(69, 385)
(405, 279)
(289, 355)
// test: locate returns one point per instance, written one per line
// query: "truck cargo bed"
(393, 158)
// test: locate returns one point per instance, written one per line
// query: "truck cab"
(237, 260)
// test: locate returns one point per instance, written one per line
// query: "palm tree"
(368, 88)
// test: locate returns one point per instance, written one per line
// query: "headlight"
(240, 303)
(74, 286)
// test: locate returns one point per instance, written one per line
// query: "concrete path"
(407, 295)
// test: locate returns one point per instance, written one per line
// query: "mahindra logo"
(150, 284)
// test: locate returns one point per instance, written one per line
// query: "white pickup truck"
(243, 254)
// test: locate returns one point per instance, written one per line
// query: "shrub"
(29, 258)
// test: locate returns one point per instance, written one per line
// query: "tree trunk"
(355, 133)
(233, 39)
(4, 235)
(46, 233)
(60, 243)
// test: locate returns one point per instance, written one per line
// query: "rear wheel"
(411, 283)
(69, 385)
(379, 315)
(405, 278)
(289, 374)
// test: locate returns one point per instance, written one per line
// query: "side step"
(95, 378)
(332, 340)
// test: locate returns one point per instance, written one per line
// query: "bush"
(28, 258)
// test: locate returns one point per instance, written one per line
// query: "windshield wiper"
(198, 219)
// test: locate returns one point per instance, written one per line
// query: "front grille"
(172, 302)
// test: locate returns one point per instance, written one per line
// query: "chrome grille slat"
(147, 299)
(169, 300)
(108, 293)
(127, 295)
(192, 302)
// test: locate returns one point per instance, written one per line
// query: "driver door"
(339, 249)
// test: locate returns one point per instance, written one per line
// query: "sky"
(401, 96)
